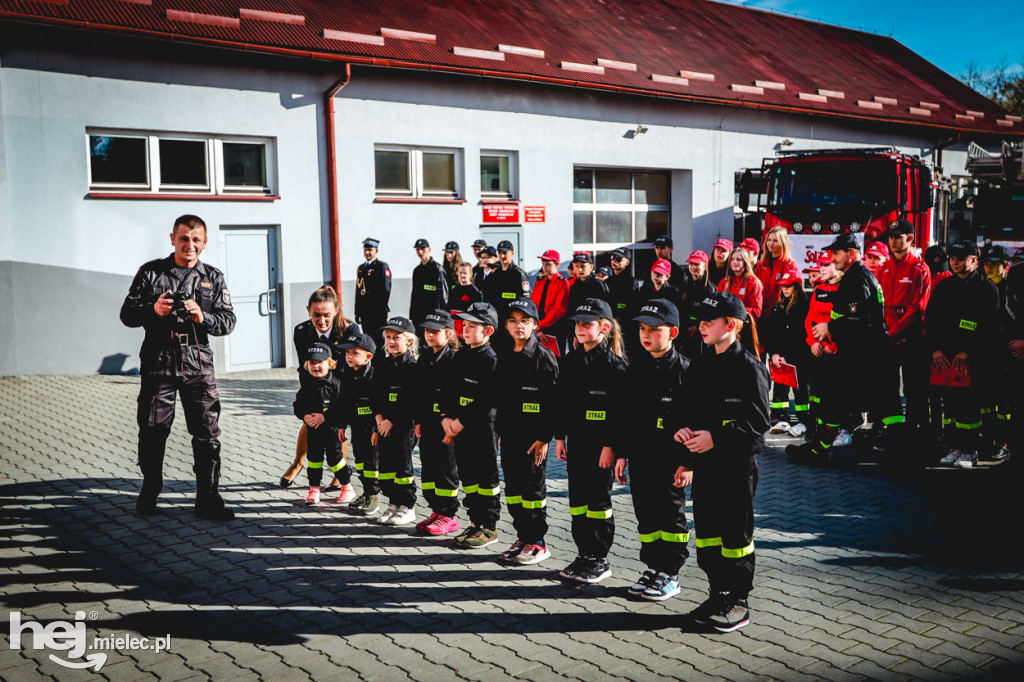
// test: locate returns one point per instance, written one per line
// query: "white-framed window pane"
(392, 170)
(651, 188)
(118, 160)
(494, 174)
(245, 165)
(613, 187)
(583, 227)
(183, 162)
(438, 172)
(583, 186)
(650, 225)
(614, 226)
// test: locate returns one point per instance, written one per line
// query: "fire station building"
(296, 129)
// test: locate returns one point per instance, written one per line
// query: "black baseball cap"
(582, 257)
(505, 245)
(359, 340)
(319, 352)
(962, 249)
(619, 253)
(663, 240)
(439, 319)
(421, 244)
(399, 324)
(843, 242)
(722, 304)
(489, 250)
(658, 312)
(995, 253)
(901, 226)
(480, 242)
(591, 309)
(451, 246)
(481, 313)
(523, 305)
(605, 270)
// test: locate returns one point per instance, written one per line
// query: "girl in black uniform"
(393, 412)
(527, 371)
(439, 477)
(591, 404)
(723, 427)
(785, 341)
(318, 405)
(357, 390)
(654, 379)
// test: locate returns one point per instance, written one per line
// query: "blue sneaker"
(643, 582)
(662, 587)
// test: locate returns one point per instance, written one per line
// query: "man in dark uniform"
(995, 416)
(373, 292)
(663, 249)
(507, 283)
(429, 290)
(486, 265)
(180, 302)
(623, 292)
(481, 262)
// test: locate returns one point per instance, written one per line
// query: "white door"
(250, 268)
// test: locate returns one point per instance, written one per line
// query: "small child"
(467, 408)
(318, 405)
(784, 335)
(393, 411)
(655, 379)
(464, 294)
(439, 476)
(357, 395)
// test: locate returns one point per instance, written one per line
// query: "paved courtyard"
(865, 570)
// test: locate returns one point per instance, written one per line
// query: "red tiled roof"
(685, 49)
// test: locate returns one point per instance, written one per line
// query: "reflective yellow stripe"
(650, 537)
(437, 408)
(488, 492)
(359, 466)
(463, 401)
(392, 397)
(596, 415)
(578, 511)
(660, 424)
(835, 315)
(387, 477)
(532, 408)
(708, 542)
(429, 287)
(605, 514)
(534, 504)
(738, 553)
(367, 473)
(364, 410)
(899, 419)
(513, 499)
(727, 421)
(469, 489)
(987, 410)
(968, 325)
(339, 466)
(1003, 416)
(445, 492)
(947, 422)
(968, 426)
(316, 465)
(403, 481)
(802, 408)
(780, 406)
(814, 399)
(664, 535)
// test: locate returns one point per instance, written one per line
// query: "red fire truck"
(818, 194)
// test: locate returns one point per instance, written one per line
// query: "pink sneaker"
(441, 525)
(347, 494)
(427, 521)
(313, 498)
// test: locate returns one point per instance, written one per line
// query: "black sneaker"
(572, 570)
(594, 570)
(1000, 454)
(364, 505)
(285, 483)
(702, 614)
(731, 615)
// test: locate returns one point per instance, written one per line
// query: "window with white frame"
(417, 172)
(498, 175)
(174, 163)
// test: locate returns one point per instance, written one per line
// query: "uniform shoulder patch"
(225, 297)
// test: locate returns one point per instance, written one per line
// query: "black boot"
(815, 450)
(145, 505)
(209, 504)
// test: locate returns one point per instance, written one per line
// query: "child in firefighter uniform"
(318, 405)
(357, 382)
(655, 379)
(722, 429)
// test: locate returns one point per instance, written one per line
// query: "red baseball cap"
(825, 259)
(724, 244)
(877, 249)
(788, 279)
(550, 254)
(750, 244)
(698, 257)
(813, 267)
(663, 267)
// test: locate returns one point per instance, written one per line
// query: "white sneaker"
(843, 439)
(385, 518)
(781, 426)
(798, 429)
(401, 517)
(951, 457)
(967, 460)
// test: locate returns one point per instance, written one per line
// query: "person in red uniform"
(751, 245)
(876, 256)
(822, 351)
(906, 285)
(718, 268)
(742, 282)
(776, 261)
(550, 294)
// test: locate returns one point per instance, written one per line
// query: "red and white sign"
(534, 214)
(501, 213)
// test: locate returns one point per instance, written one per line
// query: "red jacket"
(936, 278)
(555, 302)
(820, 310)
(770, 276)
(750, 291)
(906, 287)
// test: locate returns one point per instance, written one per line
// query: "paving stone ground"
(865, 570)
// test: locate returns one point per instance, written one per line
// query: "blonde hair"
(331, 364)
(748, 266)
(787, 247)
(411, 340)
(614, 337)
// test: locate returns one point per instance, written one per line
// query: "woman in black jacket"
(784, 336)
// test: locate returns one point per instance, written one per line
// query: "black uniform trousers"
(526, 488)
(439, 476)
(801, 400)
(201, 403)
(997, 388)
(590, 497)
(322, 445)
(723, 517)
(912, 357)
(660, 512)
(846, 391)
(396, 477)
(476, 453)
(367, 461)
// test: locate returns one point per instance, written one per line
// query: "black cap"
(371, 242)
(663, 240)
(962, 249)
(620, 253)
(994, 253)
(489, 250)
(901, 226)
(421, 244)
(481, 313)
(605, 270)
(657, 312)
(591, 309)
(843, 242)
(480, 242)
(399, 324)
(439, 319)
(319, 352)
(721, 304)
(359, 340)
(523, 305)
(505, 245)
(935, 254)
(451, 246)
(582, 257)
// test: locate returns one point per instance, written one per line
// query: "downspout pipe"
(944, 217)
(333, 226)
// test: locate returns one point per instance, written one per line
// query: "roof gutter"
(333, 225)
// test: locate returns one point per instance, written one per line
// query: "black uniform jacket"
(668, 293)
(469, 393)
(502, 286)
(526, 391)
(394, 395)
(305, 335)
(592, 396)
(961, 316)
(1014, 308)
(622, 295)
(357, 395)
(429, 291)
(174, 345)
(858, 313)
(464, 295)
(783, 332)
(731, 402)
(320, 396)
(654, 385)
(373, 291)
(582, 289)
(434, 370)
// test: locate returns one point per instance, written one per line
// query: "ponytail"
(615, 338)
(746, 332)
(413, 344)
